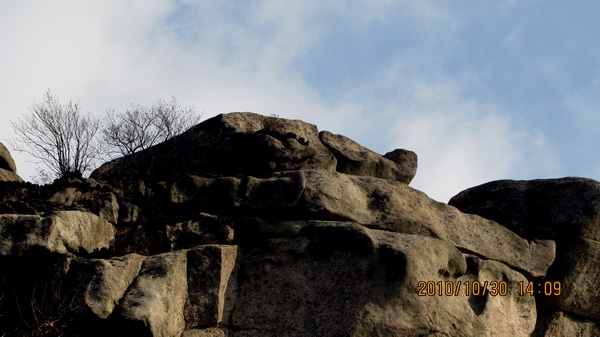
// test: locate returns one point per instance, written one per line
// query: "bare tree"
(141, 127)
(58, 135)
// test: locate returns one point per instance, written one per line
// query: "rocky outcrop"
(376, 203)
(565, 210)
(249, 225)
(252, 144)
(8, 169)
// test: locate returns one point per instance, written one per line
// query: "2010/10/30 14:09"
(493, 288)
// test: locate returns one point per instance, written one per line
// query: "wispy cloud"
(462, 85)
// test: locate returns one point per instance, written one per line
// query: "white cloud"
(463, 142)
(223, 57)
(110, 54)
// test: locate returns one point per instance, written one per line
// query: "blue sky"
(480, 90)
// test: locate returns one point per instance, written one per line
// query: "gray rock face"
(210, 332)
(212, 283)
(104, 203)
(566, 210)
(376, 203)
(64, 232)
(252, 226)
(105, 281)
(154, 304)
(342, 279)
(553, 209)
(8, 169)
(6, 175)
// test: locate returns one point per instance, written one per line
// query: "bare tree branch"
(58, 135)
(141, 127)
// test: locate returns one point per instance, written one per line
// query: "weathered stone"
(207, 229)
(103, 203)
(154, 304)
(212, 282)
(377, 203)
(63, 232)
(553, 209)
(566, 210)
(6, 175)
(104, 282)
(65, 197)
(352, 158)
(406, 161)
(343, 279)
(6, 160)
(559, 324)
(234, 143)
(577, 271)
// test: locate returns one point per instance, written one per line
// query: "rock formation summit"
(248, 225)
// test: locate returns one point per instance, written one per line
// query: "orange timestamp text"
(481, 288)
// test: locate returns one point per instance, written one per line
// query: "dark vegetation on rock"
(247, 225)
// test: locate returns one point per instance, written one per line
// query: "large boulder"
(154, 304)
(251, 144)
(566, 210)
(556, 209)
(352, 158)
(185, 289)
(229, 144)
(103, 282)
(212, 284)
(406, 161)
(248, 225)
(8, 168)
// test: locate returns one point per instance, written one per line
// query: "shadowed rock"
(566, 210)
(252, 144)
(229, 144)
